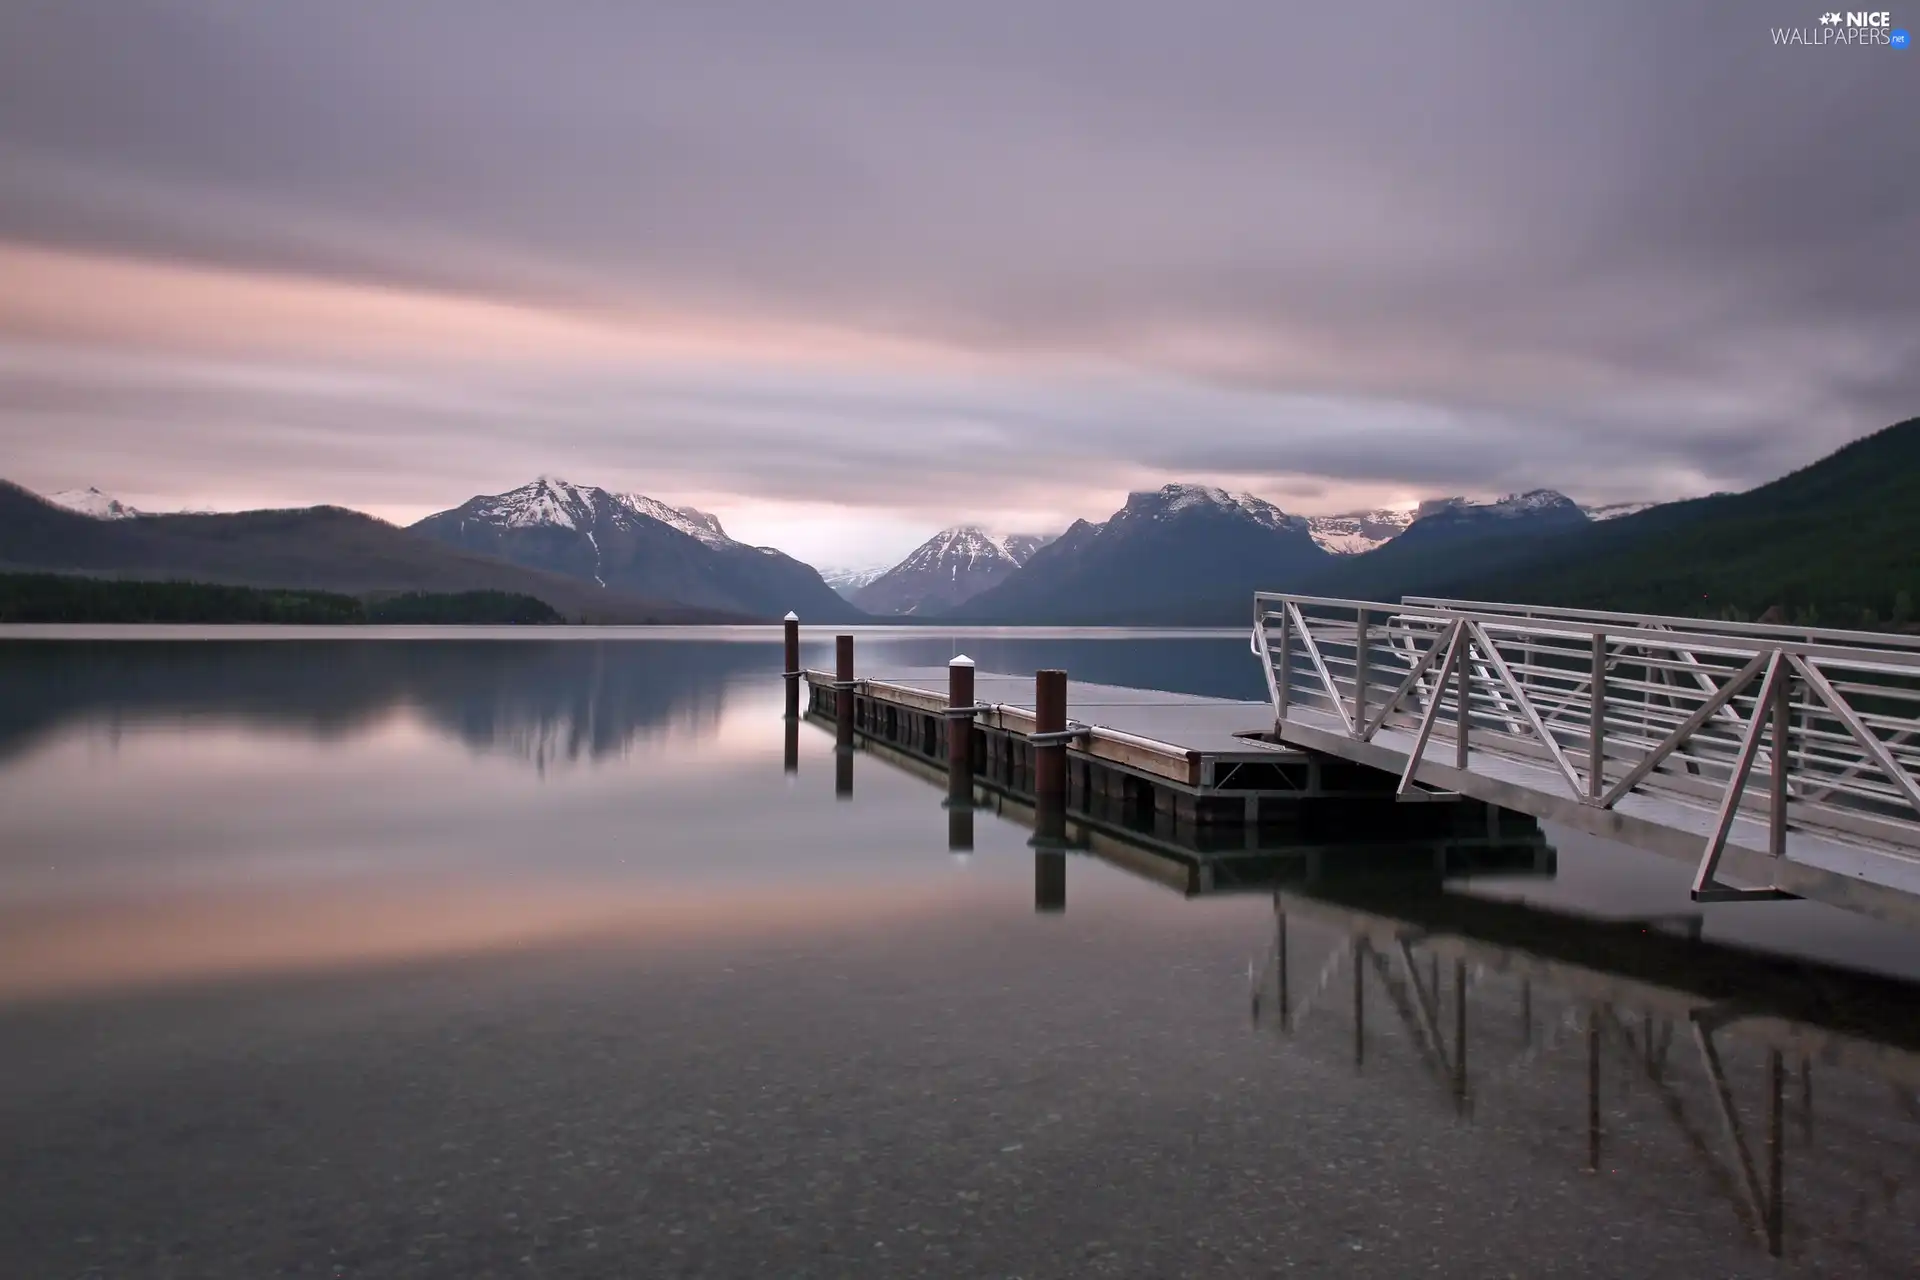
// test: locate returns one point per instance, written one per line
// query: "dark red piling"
(843, 716)
(960, 754)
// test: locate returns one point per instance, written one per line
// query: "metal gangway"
(1780, 761)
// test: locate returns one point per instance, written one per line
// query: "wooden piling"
(1050, 758)
(843, 697)
(791, 670)
(960, 727)
(960, 754)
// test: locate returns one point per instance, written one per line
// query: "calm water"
(504, 957)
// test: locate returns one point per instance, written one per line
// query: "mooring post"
(843, 717)
(960, 754)
(791, 671)
(1049, 792)
(1050, 758)
(790, 757)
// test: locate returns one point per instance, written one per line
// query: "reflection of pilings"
(1776, 1149)
(1280, 965)
(1049, 881)
(1459, 1031)
(960, 825)
(1359, 1005)
(1593, 1090)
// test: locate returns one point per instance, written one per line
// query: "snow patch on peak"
(552, 501)
(91, 502)
(688, 520)
(1614, 510)
(1267, 515)
(965, 544)
(1169, 498)
(1172, 499)
(547, 500)
(1509, 507)
(849, 580)
(1352, 533)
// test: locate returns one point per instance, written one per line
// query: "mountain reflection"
(547, 702)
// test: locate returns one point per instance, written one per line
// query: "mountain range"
(1839, 539)
(315, 548)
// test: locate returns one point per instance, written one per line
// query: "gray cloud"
(1629, 248)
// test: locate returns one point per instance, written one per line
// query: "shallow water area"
(431, 954)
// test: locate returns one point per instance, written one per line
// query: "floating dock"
(1183, 775)
(1200, 760)
(1781, 762)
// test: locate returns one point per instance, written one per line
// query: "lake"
(375, 954)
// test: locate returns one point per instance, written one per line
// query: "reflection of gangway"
(1786, 758)
(1629, 993)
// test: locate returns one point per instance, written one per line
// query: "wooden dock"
(1787, 761)
(1187, 772)
(1199, 759)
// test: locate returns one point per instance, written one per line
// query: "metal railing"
(1799, 729)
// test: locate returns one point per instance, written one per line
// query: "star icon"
(1829, 19)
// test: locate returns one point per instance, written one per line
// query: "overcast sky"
(847, 272)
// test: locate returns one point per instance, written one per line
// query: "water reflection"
(541, 702)
(1683, 1066)
(391, 954)
(1784, 1091)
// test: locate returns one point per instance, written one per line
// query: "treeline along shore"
(55, 598)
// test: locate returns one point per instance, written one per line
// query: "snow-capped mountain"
(946, 570)
(1614, 510)
(848, 581)
(1163, 549)
(550, 500)
(1533, 504)
(1354, 532)
(638, 544)
(92, 502)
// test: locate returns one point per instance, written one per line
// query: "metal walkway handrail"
(1797, 728)
(1837, 636)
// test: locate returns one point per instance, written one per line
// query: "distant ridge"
(947, 570)
(1162, 548)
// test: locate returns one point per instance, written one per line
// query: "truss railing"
(1795, 728)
